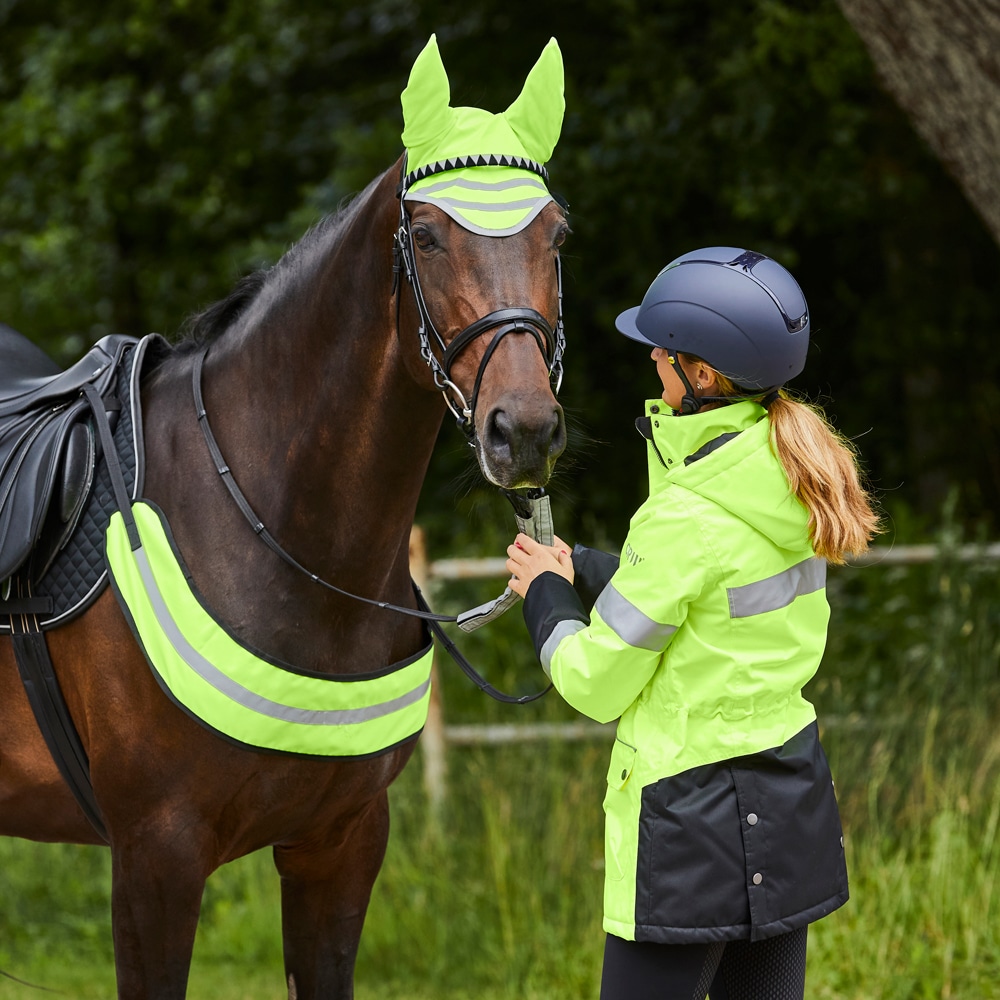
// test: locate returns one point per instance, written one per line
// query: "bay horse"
(327, 413)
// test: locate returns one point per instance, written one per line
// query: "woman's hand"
(527, 559)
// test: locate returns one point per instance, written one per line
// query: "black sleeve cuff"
(551, 599)
(592, 571)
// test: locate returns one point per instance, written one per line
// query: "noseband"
(521, 319)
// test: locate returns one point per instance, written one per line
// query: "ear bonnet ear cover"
(491, 200)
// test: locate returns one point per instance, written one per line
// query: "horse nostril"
(499, 436)
(557, 436)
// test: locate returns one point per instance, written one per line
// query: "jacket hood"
(725, 456)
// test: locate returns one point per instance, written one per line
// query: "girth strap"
(34, 663)
(47, 702)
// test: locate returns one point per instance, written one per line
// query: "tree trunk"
(940, 60)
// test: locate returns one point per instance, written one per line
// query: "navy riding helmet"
(738, 310)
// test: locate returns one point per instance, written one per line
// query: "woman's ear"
(706, 379)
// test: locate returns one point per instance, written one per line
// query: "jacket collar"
(677, 439)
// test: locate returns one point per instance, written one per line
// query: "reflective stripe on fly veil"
(491, 201)
(777, 591)
(495, 186)
(475, 206)
(238, 693)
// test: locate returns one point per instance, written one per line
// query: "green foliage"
(153, 152)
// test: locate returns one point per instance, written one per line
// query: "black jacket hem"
(739, 932)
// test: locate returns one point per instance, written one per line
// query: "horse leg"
(325, 888)
(158, 877)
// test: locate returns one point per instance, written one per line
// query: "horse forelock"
(204, 327)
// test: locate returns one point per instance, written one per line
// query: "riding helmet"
(738, 310)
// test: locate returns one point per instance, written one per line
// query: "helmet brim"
(625, 323)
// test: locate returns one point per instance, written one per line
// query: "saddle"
(63, 468)
(49, 448)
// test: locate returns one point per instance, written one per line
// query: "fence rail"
(877, 555)
(437, 736)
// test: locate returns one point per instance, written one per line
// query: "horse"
(322, 400)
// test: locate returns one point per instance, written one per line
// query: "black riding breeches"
(772, 969)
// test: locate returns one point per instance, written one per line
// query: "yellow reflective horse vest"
(238, 693)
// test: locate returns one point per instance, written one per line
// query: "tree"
(940, 59)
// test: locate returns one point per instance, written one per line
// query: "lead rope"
(433, 620)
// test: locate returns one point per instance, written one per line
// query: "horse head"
(479, 240)
(495, 304)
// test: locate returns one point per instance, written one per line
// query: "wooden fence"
(437, 735)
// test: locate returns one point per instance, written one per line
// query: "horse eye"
(561, 236)
(423, 238)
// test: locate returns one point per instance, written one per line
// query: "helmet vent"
(747, 260)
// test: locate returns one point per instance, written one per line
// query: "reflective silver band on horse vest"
(244, 696)
(237, 692)
(777, 591)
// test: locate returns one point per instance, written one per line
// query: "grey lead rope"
(538, 525)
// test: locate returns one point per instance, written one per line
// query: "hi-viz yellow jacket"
(721, 821)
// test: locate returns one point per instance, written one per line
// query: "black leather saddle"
(48, 446)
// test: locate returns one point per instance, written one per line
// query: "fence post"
(432, 740)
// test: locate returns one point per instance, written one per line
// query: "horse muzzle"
(520, 440)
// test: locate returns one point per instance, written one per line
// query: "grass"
(499, 897)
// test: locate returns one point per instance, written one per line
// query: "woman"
(723, 840)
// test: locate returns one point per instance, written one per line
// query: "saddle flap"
(29, 461)
(77, 472)
(74, 479)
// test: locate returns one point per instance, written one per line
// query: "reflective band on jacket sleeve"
(777, 591)
(630, 624)
(237, 692)
(569, 626)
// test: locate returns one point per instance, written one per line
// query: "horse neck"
(321, 413)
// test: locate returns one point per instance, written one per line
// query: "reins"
(423, 611)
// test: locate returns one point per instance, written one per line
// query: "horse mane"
(206, 326)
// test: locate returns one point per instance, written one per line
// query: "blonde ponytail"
(822, 469)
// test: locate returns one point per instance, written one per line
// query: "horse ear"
(426, 99)
(536, 116)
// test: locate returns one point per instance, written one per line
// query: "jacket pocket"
(619, 824)
(622, 762)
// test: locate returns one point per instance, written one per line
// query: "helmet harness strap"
(690, 403)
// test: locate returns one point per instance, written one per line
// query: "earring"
(698, 385)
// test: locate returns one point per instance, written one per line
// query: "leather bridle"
(520, 319)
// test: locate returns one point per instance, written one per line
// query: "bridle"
(531, 508)
(521, 319)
